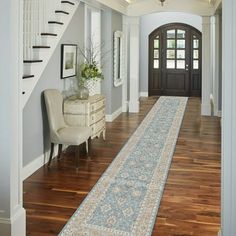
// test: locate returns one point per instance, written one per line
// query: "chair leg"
(89, 148)
(59, 151)
(51, 154)
(77, 159)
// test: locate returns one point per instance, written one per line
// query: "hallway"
(191, 200)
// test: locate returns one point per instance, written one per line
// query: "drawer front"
(78, 108)
(98, 105)
(98, 115)
(98, 126)
(76, 120)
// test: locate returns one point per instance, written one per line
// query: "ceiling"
(199, 7)
(143, 7)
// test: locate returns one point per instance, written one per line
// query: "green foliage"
(90, 71)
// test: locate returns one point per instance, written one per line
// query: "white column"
(12, 214)
(216, 62)
(228, 215)
(125, 55)
(206, 66)
(134, 64)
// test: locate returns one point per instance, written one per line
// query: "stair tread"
(48, 34)
(55, 22)
(71, 3)
(41, 47)
(27, 76)
(32, 61)
(60, 11)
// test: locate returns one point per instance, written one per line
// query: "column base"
(134, 107)
(206, 110)
(14, 226)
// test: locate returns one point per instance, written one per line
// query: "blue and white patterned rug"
(126, 198)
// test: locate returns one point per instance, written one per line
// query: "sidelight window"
(195, 53)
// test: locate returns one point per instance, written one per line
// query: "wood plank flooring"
(191, 200)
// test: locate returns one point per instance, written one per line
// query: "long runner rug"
(126, 198)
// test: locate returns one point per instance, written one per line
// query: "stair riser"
(30, 68)
(48, 40)
(60, 17)
(41, 53)
(54, 28)
(27, 85)
(66, 7)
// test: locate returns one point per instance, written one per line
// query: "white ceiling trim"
(117, 5)
(143, 7)
(198, 7)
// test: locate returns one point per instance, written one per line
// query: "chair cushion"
(73, 135)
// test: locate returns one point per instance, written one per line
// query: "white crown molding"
(202, 8)
(117, 5)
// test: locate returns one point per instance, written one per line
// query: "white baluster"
(37, 13)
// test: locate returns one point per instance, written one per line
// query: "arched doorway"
(175, 61)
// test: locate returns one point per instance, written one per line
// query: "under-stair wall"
(35, 125)
(45, 22)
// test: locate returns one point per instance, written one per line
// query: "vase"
(82, 92)
(91, 86)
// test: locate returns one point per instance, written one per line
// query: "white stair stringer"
(43, 54)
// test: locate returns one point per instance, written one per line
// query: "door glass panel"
(156, 43)
(170, 54)
(180, 54)
(156, 53)
(180, 43)
(156, 64)
(170, 43)
(181, 64)
(195, 43)
(195, 64)
(180, 34)
(170, 34)
(170, 64)
(195, 54)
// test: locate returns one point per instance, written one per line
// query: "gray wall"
(35, 125)
(111, 22)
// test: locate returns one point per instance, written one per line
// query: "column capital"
(206, 20)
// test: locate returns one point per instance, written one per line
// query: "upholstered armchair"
(60, 132)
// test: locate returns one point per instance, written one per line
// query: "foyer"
(200, 191)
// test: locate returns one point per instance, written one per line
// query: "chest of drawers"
(89, 112)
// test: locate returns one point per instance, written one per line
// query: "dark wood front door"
(175, 61)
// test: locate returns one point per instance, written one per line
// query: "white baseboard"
(125, 107)
(219, 233)
(114, 115)
(33, 166)
(143, 94)
(14, 226)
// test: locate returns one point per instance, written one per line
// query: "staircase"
(45, 21)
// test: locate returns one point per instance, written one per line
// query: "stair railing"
(37, 13)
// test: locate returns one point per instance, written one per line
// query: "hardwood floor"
(191, 200)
